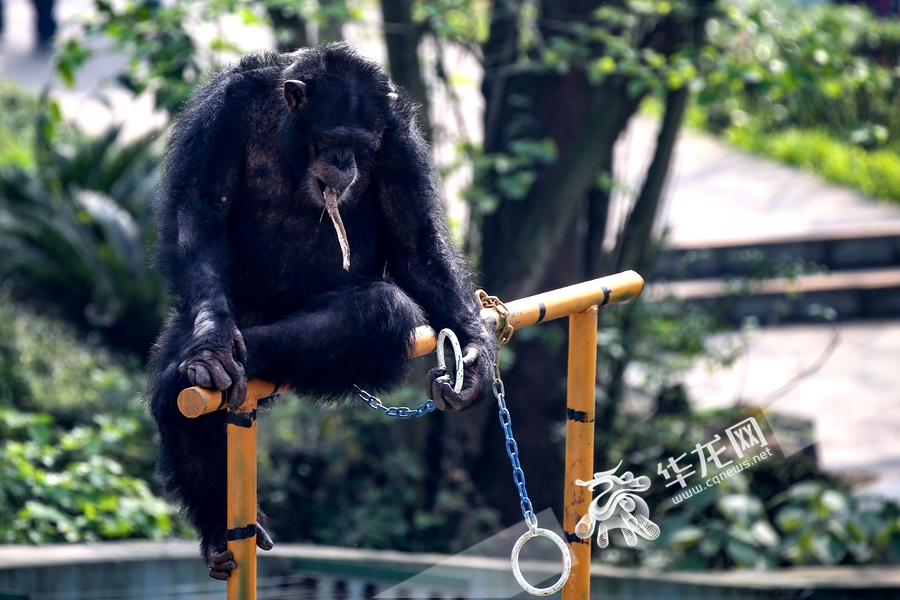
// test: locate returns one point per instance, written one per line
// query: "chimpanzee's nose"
(340, 156)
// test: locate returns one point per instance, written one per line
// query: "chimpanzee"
(266, 286)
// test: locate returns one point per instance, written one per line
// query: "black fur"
(244, 247)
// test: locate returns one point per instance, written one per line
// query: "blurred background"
(742, 155)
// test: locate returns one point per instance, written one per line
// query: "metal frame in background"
(579, 302)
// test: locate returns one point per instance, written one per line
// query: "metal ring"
(457, 356)
(567, 562)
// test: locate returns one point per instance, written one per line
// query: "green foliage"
(781, 511)
(664, 339)
(47, 369)
(812, 523)
(786, 65)
(75, 456)
(74, 229)
(18, 109)
(511, 174)
(166, 45)
(817, 86)
(163, 55)
(463, 21)
(65, 485)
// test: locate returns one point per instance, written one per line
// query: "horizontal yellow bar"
(563, 302)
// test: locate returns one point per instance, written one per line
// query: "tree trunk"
(401, 36)
(290, 29)
(553, 236)
(635, 239)
(539, 242)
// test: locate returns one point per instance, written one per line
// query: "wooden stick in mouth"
(331, 204)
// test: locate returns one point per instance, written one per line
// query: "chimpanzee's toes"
(262, 539)
(220, 564)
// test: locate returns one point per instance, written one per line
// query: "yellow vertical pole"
(580, 445)
(241, 513)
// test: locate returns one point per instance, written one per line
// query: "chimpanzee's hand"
(216, 361)
(475, 375)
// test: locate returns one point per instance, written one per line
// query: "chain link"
(398, 412)
(503, 324)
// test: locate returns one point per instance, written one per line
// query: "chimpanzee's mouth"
(321, 185)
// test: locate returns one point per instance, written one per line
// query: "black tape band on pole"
(245, 421)
(241, 533)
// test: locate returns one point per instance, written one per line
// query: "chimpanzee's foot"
(220, 560)
(263, 541)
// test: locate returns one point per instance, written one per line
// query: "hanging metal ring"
(457, 356)
(567, 562)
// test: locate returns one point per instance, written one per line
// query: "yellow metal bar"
(241, 512)
(582, 378)
(563, 302)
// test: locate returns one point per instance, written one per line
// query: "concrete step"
(866, 246)
(857, 294)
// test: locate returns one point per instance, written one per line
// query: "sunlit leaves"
(511, 173)
(822, 66)
(58, 485)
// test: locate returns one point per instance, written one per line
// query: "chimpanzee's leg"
(192, 452)
(359, 335)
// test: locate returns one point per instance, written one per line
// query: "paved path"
(717, 194)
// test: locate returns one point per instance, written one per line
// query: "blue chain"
(512, 449)
(398, 412)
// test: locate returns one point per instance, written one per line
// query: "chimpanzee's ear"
(295, 94)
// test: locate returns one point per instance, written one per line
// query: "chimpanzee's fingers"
(237, 393)
(433, 392)
(468, 394)
(432, 375)
(437, 395)
(240, 348)
(220, 377)
(183, 367)
(470, 356)
(262, 539)
(452, 398)
(199, 375)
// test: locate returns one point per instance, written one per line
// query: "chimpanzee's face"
(342, 128)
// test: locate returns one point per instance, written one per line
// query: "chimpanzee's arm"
(202, 170)
(424, 261)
